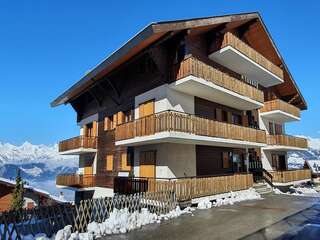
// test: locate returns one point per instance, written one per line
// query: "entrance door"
(282, 162)
(148, 164)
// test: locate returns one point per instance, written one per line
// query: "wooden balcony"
(177, 122)
(242, 58)
(287, 141)
(186, 188)
(290, 175)
(280, 110)
(84, 181)
(194, 67)
(78, 145)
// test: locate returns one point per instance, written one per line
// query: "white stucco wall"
(172, 160)
(166, 99)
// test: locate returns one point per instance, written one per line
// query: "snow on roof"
(314, 165)
(36, 190)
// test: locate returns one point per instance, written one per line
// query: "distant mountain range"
(39, 164)
(296, 159)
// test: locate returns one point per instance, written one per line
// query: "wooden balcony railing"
(281, 105)
(290, 175)
(197, 68)
(181, 122)
(285, 140)
(82, 181)
(185, 188)
(78, 142)
(231, 40)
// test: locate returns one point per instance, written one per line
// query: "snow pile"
(299, 191)
(120, 221)
(249, 194)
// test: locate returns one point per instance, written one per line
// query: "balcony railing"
(197, 68)
(290, 175)
(78, 142)
(281, 105)
(185, 188)
(84, 181)
(181, 122)
(231, 40)
(285, 140)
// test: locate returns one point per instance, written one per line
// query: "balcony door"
(148, 164)
(90, 129)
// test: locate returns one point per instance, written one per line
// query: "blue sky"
(46, 46)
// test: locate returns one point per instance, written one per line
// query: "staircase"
(262, 188)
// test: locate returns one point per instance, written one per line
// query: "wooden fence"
(278, 104)
(187, 188)
(231, 40)
(78, 142)
(197, 68)
(291, 175)
(50, 219)
(187, 123)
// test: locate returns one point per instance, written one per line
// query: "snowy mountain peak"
(30, 153)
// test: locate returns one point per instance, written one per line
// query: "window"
(128, 115)
(274, 162)
(109, 162)
(225, 160)
(278, 129)
(236, 119)
(271, 128)
(224, 116)
(146, 108)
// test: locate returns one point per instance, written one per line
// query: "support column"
(247, 159)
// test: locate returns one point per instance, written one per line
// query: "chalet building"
(32, 197)
(201, 99)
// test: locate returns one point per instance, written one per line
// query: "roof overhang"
(148, 36)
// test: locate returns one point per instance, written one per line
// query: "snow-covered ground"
(122, 221)
(307, 191)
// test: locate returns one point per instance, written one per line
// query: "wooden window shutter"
(146, 109)
(120, 117)
(225, 160)
(94, 129)
(124, 162)
(115, 121)
(109, 162)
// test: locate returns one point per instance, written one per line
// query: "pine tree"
(17, 196)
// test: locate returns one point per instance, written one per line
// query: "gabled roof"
(154, 32)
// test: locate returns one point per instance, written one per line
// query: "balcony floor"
(186, 138)
(240, 63)
(78, 151)
(199, 87)
(279, 116)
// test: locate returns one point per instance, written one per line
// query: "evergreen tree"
(17, 196)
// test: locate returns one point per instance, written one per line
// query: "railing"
(231, 40)
(285, 140)
(186, 188)
(278, 104)
(187, 123)
(78, 142)
(197, 68)
(86, 180)
(290, 175)
(259, 173)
